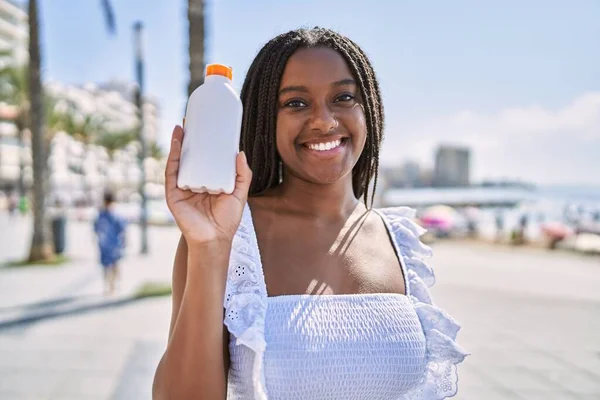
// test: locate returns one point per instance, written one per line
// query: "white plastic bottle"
(212, 129)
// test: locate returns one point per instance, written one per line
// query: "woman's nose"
(323, 119)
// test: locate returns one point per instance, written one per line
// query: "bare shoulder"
(374, 230)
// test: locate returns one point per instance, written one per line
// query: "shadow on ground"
(28, 314)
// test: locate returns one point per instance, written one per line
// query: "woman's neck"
(329, 201)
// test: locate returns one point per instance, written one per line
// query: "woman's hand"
(202, 217)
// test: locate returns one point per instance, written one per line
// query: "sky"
(518, 82)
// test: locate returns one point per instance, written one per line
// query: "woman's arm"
(196, 362)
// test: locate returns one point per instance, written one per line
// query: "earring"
(280, 172)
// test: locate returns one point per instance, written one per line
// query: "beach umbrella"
(439, 216)
(556, 230)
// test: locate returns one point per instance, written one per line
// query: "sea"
(571, 205)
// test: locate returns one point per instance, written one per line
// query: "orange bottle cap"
(219, 69)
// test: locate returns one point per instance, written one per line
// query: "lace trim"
(443, 353)
(246, 297)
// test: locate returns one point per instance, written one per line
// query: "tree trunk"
(196, 43)
(40, 245)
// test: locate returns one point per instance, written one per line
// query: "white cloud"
(533, 143)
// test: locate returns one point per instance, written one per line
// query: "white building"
(14, 38)
(14, 33)
(150, 105)
(84, 170)
(80, 172)
(112, 103)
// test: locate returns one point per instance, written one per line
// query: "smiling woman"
(291, 287)
(321, 127)
(271, 99)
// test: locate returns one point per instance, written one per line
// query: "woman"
(324, 297)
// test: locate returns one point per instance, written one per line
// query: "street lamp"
(139, 72)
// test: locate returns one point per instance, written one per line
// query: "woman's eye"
(344, 98)
(295, 104)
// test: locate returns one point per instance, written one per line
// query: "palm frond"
(156, 151)
(116, 141)
(109, 17)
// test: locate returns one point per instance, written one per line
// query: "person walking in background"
(12, 204)
(499, 226)
(110, 231)
(523, 224)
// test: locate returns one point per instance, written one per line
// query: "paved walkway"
(83, 275)
(530, 319)
(61, 338)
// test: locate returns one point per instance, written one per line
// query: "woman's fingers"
(243, 178)
(172, 167)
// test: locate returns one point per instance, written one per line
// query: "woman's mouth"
(325, 149)
(324, 146)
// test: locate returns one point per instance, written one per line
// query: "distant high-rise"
(412, 174)
(451, 166)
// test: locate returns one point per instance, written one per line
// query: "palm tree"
(83, 128)
(196, 43)
(40, 244)
(56, 120)
(116, 141)
(86, 129)
(156, 151)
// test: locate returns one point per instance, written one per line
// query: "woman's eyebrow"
(288, 89)
(304, 89)
(344, 82)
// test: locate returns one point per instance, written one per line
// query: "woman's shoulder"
(405, 229)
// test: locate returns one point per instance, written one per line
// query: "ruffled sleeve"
(246, 298)
(443, 353)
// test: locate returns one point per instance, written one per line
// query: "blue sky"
(517, 81)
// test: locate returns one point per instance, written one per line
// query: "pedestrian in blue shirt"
(110, 231)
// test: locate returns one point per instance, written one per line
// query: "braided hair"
(260, 99)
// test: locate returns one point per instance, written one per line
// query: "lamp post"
(139, 72)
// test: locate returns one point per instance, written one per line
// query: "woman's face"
(321, 128)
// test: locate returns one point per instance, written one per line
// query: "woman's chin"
(327, 177)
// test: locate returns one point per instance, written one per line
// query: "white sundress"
(339, 347)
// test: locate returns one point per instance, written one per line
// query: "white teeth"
(325, 146)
